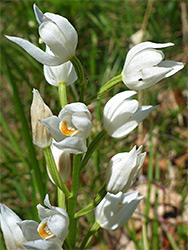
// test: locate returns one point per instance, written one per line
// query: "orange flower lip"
(68, 131)
(40, 40)
(44, 231)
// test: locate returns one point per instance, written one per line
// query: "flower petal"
(62, 73)
(56, 209)
(175, 66)
(74, 145)
(142, 46)
(81, 122)
(63, 163)
(29, 230)
(125, 128)
(114, 210)
(67, 29)
(119, 169)
(75, 107)
(50, 75)
(52, 124)
(38, 14)
(54, 40)
(44, 212)
(142, 112)
(107, 208)
(125, 213)
(143, 59)
(146, 77)
(11, 231)
(35, 52)
(41, 245)
(58, 226)
(117, 100)
(134, 172)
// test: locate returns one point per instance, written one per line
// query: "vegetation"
(105, 29)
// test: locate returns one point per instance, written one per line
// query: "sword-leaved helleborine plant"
(122, 114)
(11, 231)
(144, 65)
(70, 128)
(123, 169)
(57, 33)
(50, 233)
(115, 209)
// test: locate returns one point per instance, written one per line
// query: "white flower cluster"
(144, 66)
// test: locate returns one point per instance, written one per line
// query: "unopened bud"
(39, 110)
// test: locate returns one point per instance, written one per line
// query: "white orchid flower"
(64, 73)
(11, 231)
(144, 65)
(115, 209)
(57, 33)
(71, 128)
(121, 114)
(39, 110)
(63, 162)
(123, 169)
(50, 233)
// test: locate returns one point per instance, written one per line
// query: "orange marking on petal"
(40, 40)
(44, 232)
(65, 130)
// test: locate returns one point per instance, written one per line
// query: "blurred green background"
(106, 31)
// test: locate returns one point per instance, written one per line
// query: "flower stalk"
(89, 235)
(98, 198)
(73, 200)
(109, 85)
(106, 88)
(54, 172)
(62, 93)
(63, 101)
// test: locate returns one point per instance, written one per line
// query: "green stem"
(105, 88)
(98, 198)
(72, 201)
(109, 85)
(89, 235)
(92, 147)
(62, 93)
(61, 198)
(54, 172)
(81, 77)
(63, 101)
